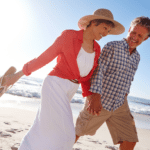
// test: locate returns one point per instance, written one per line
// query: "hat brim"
(84, 21)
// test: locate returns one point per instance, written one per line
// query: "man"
(110, 85)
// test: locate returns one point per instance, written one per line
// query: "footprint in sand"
(3, 134)
(11, 130)
(8, 123)
(19, 130)
(14, 130)
(15, 146)
(111, 147)
(93, 141)
(26, 129)
(96, 142)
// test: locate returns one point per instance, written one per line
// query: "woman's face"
(101, 30)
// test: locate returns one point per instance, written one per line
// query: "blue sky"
(28, 28)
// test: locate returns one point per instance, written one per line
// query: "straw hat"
(102, 14)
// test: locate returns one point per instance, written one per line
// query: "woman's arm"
(47, 56)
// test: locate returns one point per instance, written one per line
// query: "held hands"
(95, 105)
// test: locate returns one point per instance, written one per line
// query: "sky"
(28, 28)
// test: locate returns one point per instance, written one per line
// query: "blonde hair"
(142, 21)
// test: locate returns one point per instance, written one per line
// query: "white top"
(85, 62)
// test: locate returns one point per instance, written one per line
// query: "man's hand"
(12, 78)
(95, 105)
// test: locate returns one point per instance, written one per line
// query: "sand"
(14, 124)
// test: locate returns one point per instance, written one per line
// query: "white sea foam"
(31, 87)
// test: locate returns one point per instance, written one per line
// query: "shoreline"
(15, 123)
(142, 121)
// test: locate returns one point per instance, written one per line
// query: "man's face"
(136, 35)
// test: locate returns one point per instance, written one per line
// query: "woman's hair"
(99, 21)
(142, 21)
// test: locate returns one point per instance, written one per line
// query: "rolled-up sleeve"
(103, 63)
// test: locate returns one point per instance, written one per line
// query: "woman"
(78, 53)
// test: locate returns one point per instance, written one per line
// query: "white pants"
(53, 128)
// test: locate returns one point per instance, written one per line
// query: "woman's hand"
(95, 105)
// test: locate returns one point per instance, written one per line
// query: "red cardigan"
(66, 47)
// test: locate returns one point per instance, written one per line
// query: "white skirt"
(53, 128)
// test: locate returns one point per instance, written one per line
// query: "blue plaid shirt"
(114, 74)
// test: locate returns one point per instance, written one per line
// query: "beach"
(15, 123)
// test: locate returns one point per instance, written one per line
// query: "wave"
(139, 100)
(31, 87)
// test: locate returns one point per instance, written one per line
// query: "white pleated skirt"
(53, 128)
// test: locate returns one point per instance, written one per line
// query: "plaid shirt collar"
(126, 45)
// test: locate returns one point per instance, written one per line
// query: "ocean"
(25, 94)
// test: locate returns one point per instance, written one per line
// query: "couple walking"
(105, 78)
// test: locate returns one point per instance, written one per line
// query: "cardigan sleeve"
(85, 86)
(47, 56)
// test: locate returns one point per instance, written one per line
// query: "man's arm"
(95, 105)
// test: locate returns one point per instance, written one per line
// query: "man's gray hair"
(143, 21)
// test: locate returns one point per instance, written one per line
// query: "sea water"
(25, 94)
